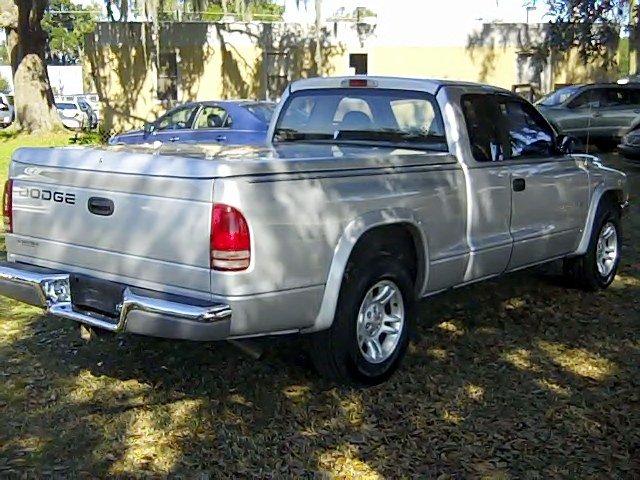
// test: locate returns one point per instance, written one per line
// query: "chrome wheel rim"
(607, 249)
(380, 321)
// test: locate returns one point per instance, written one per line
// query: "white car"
(72, 115)
(6, 110)
(88, 103)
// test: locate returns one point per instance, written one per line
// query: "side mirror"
(567, 145)
(149, 128)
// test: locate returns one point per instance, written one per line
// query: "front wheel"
(370, 332)
(597, 268)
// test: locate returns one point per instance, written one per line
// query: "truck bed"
(158, 236)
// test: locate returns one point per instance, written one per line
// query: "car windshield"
(263, 111)
(558, 97)
(362, 115)
(66, 106)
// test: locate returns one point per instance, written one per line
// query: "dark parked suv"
(598, 113)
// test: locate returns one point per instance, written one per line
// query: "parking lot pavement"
(514, 378)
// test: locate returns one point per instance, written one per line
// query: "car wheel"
(370, 331)
(597, 268)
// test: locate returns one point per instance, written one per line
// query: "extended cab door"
(549, 190)
(488, 182)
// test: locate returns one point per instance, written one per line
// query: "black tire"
(335, 352)
(583, 271)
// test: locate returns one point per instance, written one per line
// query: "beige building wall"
(214, 61)
(571, 69)
(486, 65)
(252, 60)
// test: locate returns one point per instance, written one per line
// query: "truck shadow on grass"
(513, 378)
(516, 377)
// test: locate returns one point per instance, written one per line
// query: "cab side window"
(529, 134)
(481, 116)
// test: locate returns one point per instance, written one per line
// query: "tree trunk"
(26, 42)
(634, 38)
(124, 10)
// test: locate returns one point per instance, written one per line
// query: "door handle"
(221, 138)
(519, 184)
(174, 139)
(101, 206)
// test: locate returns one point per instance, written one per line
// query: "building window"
(168, 76)
(358, 61)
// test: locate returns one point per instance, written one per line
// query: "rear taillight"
(230, 239)
(7, 206)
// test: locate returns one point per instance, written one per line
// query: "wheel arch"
(351, 235)
(602, 191)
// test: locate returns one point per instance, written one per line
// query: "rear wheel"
(597, 268)
(370, 331)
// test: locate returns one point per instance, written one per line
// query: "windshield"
(263, 111)
(362, 115)
(558, 97)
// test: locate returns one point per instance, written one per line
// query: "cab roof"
(428, 85)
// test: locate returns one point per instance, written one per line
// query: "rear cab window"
(363, 115)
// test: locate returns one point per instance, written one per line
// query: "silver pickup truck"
(372, 193)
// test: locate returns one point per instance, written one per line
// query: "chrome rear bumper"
(141, 311)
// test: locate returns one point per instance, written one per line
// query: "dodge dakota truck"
(370, 194)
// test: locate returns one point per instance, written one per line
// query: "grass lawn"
(10, 141)
(516, 378)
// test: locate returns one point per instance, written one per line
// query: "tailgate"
(142, 229)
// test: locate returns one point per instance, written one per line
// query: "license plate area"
(95, 295)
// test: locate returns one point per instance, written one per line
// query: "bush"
(5, 86)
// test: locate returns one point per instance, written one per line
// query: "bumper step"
(144, 312)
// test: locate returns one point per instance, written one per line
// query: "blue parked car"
(228, 122)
